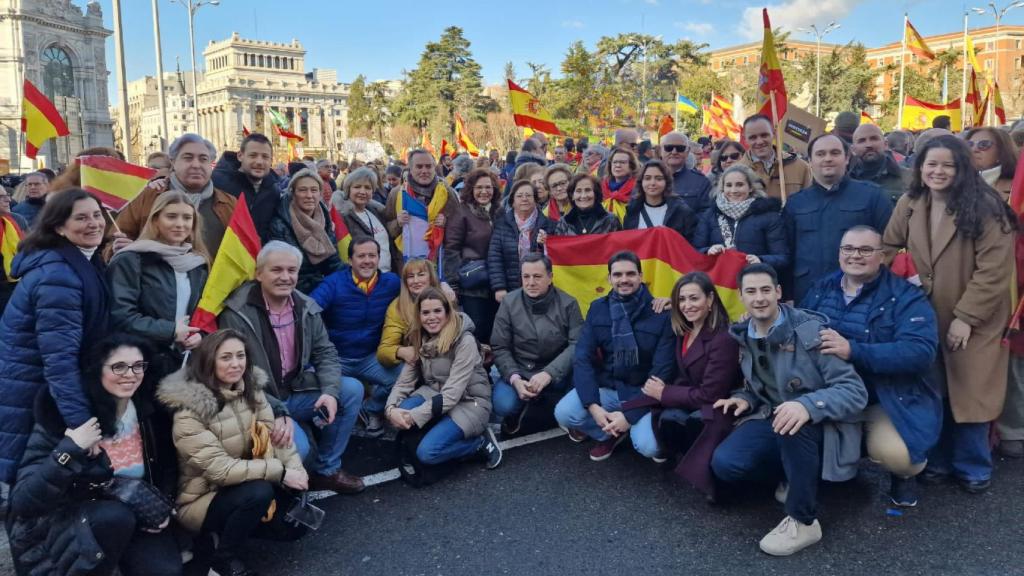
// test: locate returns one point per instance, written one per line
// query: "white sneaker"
(790, 537)
(781, 492)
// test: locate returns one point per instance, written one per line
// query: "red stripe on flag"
(243, 226)
(111, 164)
(909, 100)
(49, 111)
(109, 201)
(538, 125)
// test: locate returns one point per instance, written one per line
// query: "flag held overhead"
(771, 85)
(114, 181)
(40, 120)
(528, 112)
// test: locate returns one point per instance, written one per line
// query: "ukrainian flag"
(684, 104)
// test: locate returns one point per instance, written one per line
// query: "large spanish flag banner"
(918, 114)
(462, 137)
(771, 85)
(234, 264)
(528, 113)
(40, 120)
(916, 44)
(10, 235)
(341, 233)
(115, 182)
(581, 264)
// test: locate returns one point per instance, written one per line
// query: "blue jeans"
(505, 400)
(754, 453)
(444, 441)
(333, 437)
(380, 379)
(570, 413)
(962, 450)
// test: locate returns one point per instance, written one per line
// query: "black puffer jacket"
(503, 253)
(262, 203)
(49, 533)
(759, 232)
(310, 275)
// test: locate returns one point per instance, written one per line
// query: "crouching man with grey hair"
(287, 334)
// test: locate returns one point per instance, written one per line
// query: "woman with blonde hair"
(742, 217)
(449, 372)
(156, 281)
(417, 275)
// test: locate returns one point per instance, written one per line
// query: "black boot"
(229, 565)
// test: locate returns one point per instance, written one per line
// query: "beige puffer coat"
(214, 445)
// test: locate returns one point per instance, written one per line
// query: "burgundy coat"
(708, 372)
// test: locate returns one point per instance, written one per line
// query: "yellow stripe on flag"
(9, 244)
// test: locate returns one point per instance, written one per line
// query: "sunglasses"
(981, 145)
(675, 148)
(734, 156)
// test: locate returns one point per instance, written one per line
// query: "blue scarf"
(625, 310)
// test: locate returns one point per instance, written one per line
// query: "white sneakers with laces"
(790, 537)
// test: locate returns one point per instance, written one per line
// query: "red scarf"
(622, 194)
(554, 213)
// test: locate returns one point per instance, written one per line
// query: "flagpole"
(903, 67)
(122, 87)
(675, 113)
(778, 147)
(165, 137)
(963, 84)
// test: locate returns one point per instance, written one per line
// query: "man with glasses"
(800, 410)
(760, 137)
(817, 217)
(689, 184)
(36, 186)
(627, 138)
(886, 327)
(872, 162)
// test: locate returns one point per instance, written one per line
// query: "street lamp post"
(998, 13)
(193, 6)
(818, 35)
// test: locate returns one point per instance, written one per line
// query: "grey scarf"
(734, 211)
(194, 198)
(179, 258)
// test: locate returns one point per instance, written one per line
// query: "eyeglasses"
(675, 148)
(863, 251)
(122, 368)
(981, 145)
(561, 184)
(733, 156)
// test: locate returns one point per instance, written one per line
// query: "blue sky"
(380, 38)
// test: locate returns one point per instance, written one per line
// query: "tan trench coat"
(969, 280)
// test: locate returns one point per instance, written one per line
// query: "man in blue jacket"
(355, 300)
(622, 344)
(886, 327)
(800, 410)
(689, 184)
(817, 216)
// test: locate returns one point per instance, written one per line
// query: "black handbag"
(473, 275)
(151, 506)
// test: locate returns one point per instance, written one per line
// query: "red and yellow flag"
(40, 120)
(866, 118)
(973, 98)
(916, 44)
(667, 125)
(462, 137)
(528, 113)
(444, 149)
(771, 85)
(234, 264)
(115, 182)
(997, 102)
(918, 114)
(721, 110)
(10, 235)
(342, 234)
(427, 145)
(581, 264)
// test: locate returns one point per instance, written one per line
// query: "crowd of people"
(128, 436)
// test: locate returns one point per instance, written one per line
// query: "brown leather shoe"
(341, 482)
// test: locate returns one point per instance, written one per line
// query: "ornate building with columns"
(61, 48)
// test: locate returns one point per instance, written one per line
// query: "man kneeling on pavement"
(290, 343)
(800, 410)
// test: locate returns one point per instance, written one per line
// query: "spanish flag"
(581, 264)
(462, 137)
(115, 182)
(40, 120)
(444, 149)
(234, 264)
(866, 118)
(527, 111)
(341, 233)
(918, 115)
(997, 102)
(10, 236)
(973, 98)
(771, 85)
(427, 145)
(915, 43)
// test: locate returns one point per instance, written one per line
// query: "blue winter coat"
(594, 358)
(893, 338)
(694, 188)
(40, 339)
(816, 219)
(759, 232)
(355, 320)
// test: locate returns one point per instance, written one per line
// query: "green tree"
(359, 109)
(846, 79)
(446, 79)
(380, 114)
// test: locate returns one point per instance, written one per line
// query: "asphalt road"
(550, 510)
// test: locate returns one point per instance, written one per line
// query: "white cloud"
(793, 14)
(698, 28)
(572, 24)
